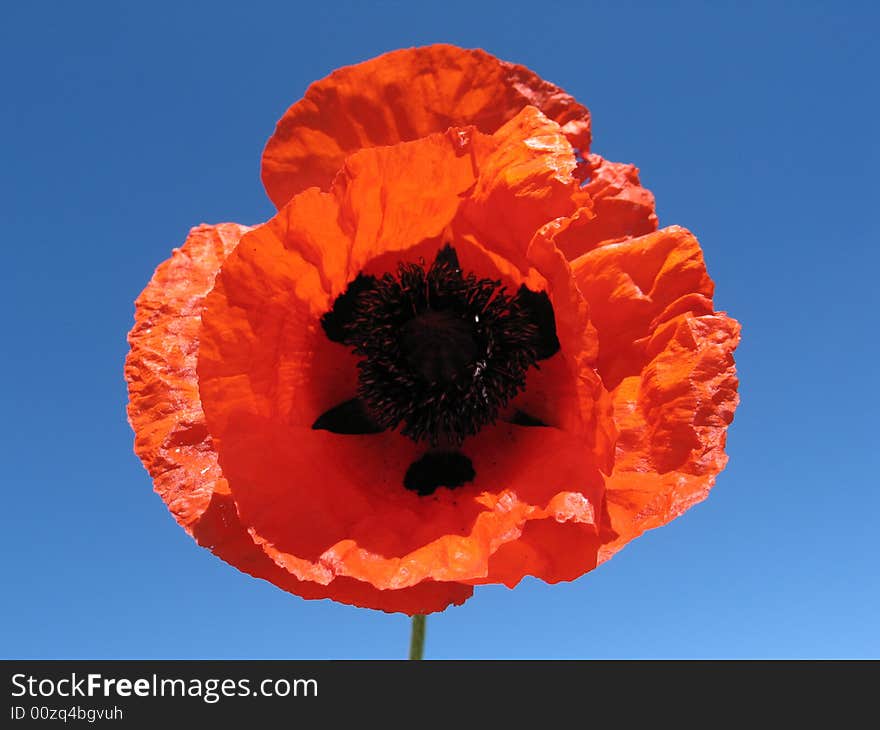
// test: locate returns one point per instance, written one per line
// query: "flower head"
(460, 353)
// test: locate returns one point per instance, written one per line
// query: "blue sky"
(754, 124)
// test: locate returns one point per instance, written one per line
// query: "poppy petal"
(548, 549)
(402, 96)
(616, 207)
(172, 440)
(267, 341)
(566, 391)
(221, 531)
(262, 311)
(629, 284)
(164, 409)
(673, 419)
(393, 198)
(526, 179)
(321, 524)
(668, 359)
(377, 209)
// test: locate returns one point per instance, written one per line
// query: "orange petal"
(379, 209)
(352, 517)
(263, 381)
(630, 284)
(172, 440)
(164, 409)
(672, 418)
(263, 350)
(402, 96)
(615, 207)
(668, 358)
(525, 180)
(548, 549)
(221, 531)
(393, 198)
(568, 385)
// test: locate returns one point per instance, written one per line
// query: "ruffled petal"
(630, 284)
(526, 179)
(550, 549)
(324, 505)
(667, 357)
(221, 531)
(264, 351)
(164, 408)
(399, 97)
(393, 198)
(172, 439)
(672, 419)
(613, 206)
(567, 391)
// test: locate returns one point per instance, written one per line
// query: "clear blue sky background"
(755, 125)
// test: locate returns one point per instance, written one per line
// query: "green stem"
(417, 639)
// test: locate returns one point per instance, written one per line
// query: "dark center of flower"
(442, 352)
(439, 345)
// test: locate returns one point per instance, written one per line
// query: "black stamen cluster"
(442, 352)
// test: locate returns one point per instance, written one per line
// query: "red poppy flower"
(460, 353)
